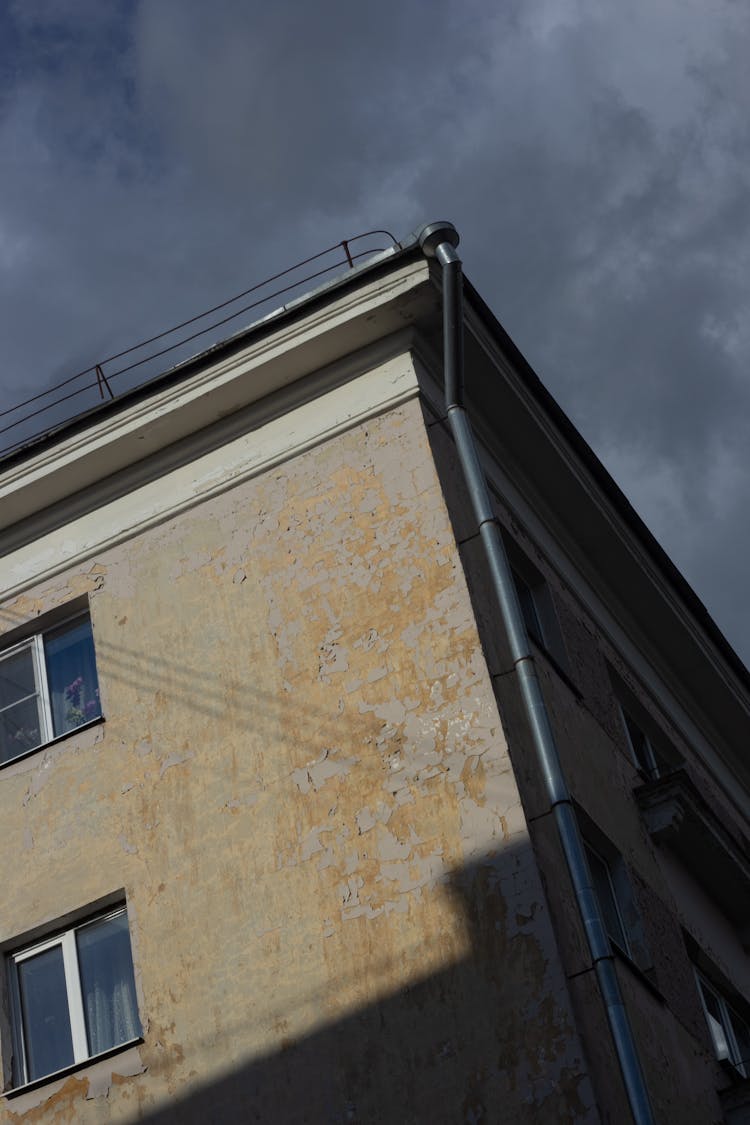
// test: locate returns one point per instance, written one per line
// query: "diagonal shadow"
(463, 1044)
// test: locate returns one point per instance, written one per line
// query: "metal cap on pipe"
(432, 235)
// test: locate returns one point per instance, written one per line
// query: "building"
(278, 844)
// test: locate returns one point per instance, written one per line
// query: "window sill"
(52, 742)
(74, 1068)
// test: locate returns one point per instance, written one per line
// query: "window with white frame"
(730, 1033)
(48, 686)
(72, 997)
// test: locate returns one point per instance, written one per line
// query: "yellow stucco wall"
(303, 787)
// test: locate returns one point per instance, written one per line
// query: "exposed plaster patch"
(242, 802)
(351, 862)
(365, 821)
(370, 502)
(392, 712)
(95, 1081)
(103, 1075)
(127, 847)
(362, 910)
(420, 872)
(175, 759)
(480, 827)
(312, 845)
(371, 640)
(390, 848)
(332, 658)
(51, 1094)
(39, 779)
(317, 773)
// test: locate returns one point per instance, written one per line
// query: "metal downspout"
(439, 240)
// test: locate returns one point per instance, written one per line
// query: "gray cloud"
(158, 157)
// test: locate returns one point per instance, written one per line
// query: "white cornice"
(277, 432)
(122, 437)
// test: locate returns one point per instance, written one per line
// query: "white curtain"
(108, 986)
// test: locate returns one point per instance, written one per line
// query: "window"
(604, 889)
(651, 751)
(729, 1032)
(529, 609)
(615, 892)
(648, 760)
(48, 686)
(73, 997)
(536, 604)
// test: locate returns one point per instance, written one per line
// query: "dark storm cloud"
(158, 157)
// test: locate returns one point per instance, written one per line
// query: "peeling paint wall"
(303, 786)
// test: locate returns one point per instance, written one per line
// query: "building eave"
(84, 463)
(278, 351)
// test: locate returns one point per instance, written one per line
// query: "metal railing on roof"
(73, 396)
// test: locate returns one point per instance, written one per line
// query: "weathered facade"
(311, 782)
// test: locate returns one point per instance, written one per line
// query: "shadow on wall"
(480, 1041)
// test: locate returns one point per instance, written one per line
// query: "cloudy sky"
(160, 156)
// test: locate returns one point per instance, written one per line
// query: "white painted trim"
(75, 1002)
(120, 438)
(284, 435)
(44, 708)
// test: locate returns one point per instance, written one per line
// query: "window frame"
(66, 939)
(623, 890)
(528, 602)
(622, 941)
(660, 755)
(537, 606)
(653, 766)
(34, 642)
(730, 1051)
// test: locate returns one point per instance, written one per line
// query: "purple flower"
(73, 691)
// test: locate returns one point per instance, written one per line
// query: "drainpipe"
(439, 241)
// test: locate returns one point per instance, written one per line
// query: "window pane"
(16, 677)
(19, 729)
(528, 609)
(71, 675)
(605, 895)
(742, 1038)
(107, 983)
(44, 1004)
(715, 1021)
(642, 748)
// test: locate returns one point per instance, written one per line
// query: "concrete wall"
(658, 984)
(303, 788)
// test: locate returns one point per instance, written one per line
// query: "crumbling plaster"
(300, 757)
